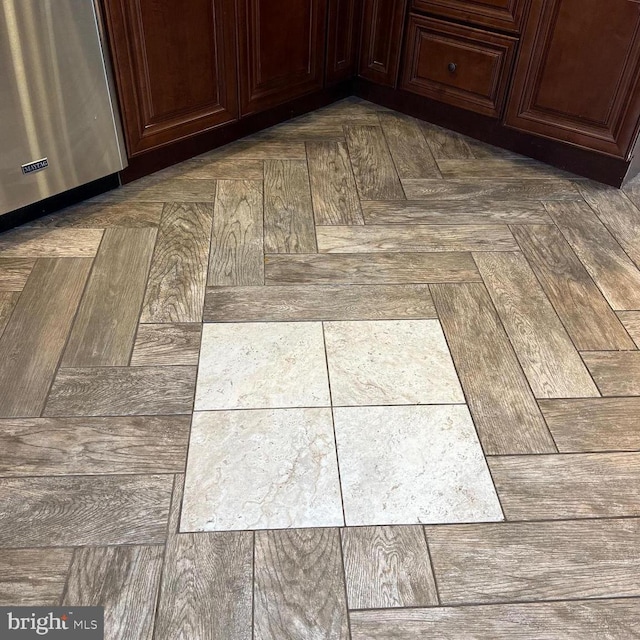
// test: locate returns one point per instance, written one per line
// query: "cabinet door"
(578, 73)
(175, 67)
(381, 40)
(497, 14)
(282, 47)
(341, 39)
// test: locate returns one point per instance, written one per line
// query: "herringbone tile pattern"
(352, 222)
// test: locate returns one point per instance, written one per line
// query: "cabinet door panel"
(578, 73)
(341, 39)
(281, 51)
(175, 66)
(497, 14)
(381, 40)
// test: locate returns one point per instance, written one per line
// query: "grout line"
(502, 602)
(344, 581)
(333, 424)
(433, 569)
(253, 585)
(67, 577)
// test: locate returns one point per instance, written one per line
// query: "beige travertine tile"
(412, 465)
(266, 469)
(262, 365)
(390, 362)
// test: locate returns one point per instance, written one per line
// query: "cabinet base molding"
(597, 166)
(590, 164)
(172, 153)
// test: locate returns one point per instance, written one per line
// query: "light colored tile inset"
(413, 465)
(262, 366)
(266, 469)
(390, 362)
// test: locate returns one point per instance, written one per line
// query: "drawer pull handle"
(452, 66)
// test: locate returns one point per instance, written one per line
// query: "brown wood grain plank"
(572, 620)
(221, 168)
(178, 275)
(618, 212)
(167, 344)
(373, 168)
(8, 301)
(605, 424)
(105, 326)
(445, 144)
(113, 391)
(387, 567)
(299, 585)
(409, 150)
(610, 267)
(454, 212)
(333, 187)
(583, 310)
(24, 242)
(589, 485)
(206, 587)
(521, 168)
(616, 374)
(512, 190)
(14, 273)
(96, 215)
(318, 302)
(123, 580)
(34, 338)
(255, 148)
(379, 268)
(66, 446)
(156, 189)
(483, 563)
(631, 322)
(288, 210)
(236, 256)
(33, 577)
(494, 384)
(415, 238)
(545, 351)
(84, 510)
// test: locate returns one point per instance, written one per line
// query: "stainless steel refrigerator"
(59, 125)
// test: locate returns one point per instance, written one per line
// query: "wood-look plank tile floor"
(356, 377)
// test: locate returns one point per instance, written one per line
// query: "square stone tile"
(262, 365)
(411, 465)
(264, 469)
(390, 362)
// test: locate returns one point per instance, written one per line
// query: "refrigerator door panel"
(59, 126)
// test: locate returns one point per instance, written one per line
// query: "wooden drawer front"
(482, 62)
(506, 15)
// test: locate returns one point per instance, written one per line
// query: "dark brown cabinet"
(459, 65)
(555, 79)
(578, 74)
(175, 67)
(342, 53)
(381, 40)
(281, 46)
(504, 15)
